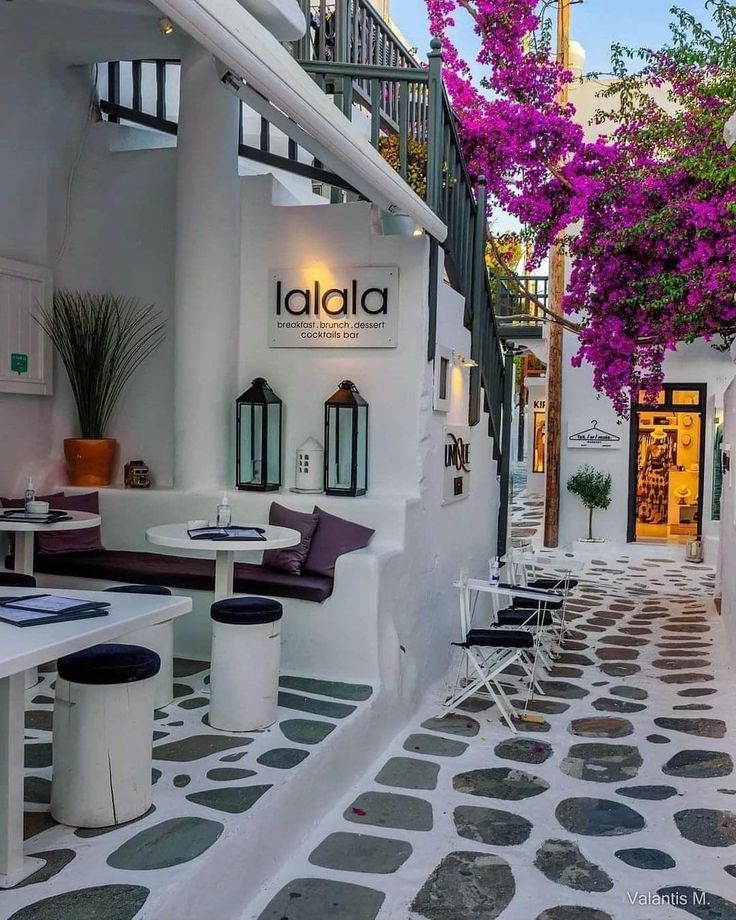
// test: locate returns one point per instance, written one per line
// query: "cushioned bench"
(184, 573)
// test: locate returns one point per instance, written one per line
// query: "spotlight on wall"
(165, 25)
(462, 361)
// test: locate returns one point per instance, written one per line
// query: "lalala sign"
(456, 484)
(344, 308)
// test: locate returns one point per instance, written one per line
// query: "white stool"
(103, 725)
(246, 655)
(159, 639)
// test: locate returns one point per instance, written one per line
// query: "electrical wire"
(75, 166)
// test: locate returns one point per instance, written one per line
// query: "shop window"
(644, 400)
(540, 442)
(668, 476)
(686, 397)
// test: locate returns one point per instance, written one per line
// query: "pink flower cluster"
(649, 212)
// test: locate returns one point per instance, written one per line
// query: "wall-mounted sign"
(456, 459)
(336, 308)
(18, 363)
(539, 405)
(586, 432)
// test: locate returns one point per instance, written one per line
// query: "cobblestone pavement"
(622, 804)
(204, 784)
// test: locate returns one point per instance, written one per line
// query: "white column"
(207, 276)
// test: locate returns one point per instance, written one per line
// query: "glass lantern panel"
(362, 449)
(340, 455)
(251, 444)
(273, 460)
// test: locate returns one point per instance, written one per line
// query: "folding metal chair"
(518, 565)
(487, 653)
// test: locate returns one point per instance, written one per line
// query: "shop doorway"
(667, 455)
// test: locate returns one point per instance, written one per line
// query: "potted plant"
(101, 340)
(593, 488)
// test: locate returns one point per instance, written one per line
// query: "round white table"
(175, 536)
(24, 533)
(23, 555)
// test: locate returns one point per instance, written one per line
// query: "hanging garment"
(656, 457)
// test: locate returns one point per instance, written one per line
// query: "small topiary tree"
(593, 488)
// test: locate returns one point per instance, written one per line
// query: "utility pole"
(554, 360)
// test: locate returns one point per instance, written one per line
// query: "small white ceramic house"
(309, 466)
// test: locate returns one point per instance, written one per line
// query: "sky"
(595, 24)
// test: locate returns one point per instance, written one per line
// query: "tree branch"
(532, 298)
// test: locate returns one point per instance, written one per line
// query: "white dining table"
(26, 647)
(25, 533)
(176, 536)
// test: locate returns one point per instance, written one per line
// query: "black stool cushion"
(16, 580)
(552, 583)
(246, 611)
(499, 638)
(511, 617)
(109, 664)
(139, 589)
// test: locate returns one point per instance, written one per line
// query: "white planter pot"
(585, 547)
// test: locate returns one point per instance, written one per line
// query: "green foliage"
(593, 488)
(101, 339)
(389, 147)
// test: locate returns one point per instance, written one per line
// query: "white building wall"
(727, 569)
(695, 363)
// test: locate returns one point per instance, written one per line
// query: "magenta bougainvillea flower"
(647, 212)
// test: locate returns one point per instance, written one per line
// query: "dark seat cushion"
(511, 617)
(246, 611)
(81, 540)
(140, 589)
(550, 584)
(527, 603)
(333, 537)
(16, 580)
(499, 638)
(109, 664)
(291, 559)
(184, 573)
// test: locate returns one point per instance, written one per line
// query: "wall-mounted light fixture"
(462, 361)
(165, 25)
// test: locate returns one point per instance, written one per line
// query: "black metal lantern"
(346, 442)
(258, 438)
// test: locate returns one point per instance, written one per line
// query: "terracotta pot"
(90, 461)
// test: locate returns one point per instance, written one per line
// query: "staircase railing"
(408, 117)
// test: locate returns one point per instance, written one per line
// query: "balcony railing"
(520, 298)
(349, 31)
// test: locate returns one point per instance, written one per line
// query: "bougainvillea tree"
(648, 208)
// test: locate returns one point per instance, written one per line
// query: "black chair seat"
(498, 638)
(246, 611)
(526, 603)
(109, 664)
(550, 584)
(512, 617)
(16, 580)
(140, 589)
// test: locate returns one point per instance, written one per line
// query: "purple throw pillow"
(334, 537)
(21, 503)
(291, 559)
(83, 540)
